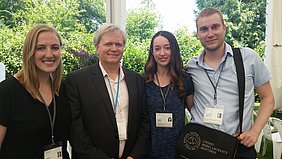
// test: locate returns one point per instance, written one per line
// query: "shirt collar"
(105, 74)
(227, 50)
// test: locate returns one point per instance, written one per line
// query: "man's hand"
(248, 138)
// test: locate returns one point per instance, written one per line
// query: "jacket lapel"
(98, 79)
(130, 82)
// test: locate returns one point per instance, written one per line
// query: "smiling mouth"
(211, 41)
(113, 54)
(49, 61)
(163, 60)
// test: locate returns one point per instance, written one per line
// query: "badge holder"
(53, 151)
(164, 120)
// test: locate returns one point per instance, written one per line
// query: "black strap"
(241, 82)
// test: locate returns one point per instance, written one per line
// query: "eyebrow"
(45, 45)
(215, 24)
(163, 45)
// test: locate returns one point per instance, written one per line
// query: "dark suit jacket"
(94, 133)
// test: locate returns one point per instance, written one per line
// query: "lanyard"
(215, 86)
(115, 103)
(167, 91)
(52, 120)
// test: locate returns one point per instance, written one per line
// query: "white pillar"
(273, 49)
(2, 71)
(116, 12)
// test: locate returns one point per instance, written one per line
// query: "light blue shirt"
(256, 74)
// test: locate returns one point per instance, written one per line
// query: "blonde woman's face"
(47, 53)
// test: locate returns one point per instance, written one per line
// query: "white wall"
(273, 50)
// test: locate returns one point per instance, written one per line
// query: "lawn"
(269, 152)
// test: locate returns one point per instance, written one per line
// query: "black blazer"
(94, 133)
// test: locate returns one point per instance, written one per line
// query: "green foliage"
(65, 16)
(59, 14)
(11, 41)
(260, 49)
(76, 42)
(140, 27)
(77, 21)
(9, 7)
(135, 55)
(92, 14)
(189, 45)
(149, 4)
(140, 24)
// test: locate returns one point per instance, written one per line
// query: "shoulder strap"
(241, 81)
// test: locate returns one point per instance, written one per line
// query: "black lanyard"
(52, 120)
(215, 86)
(166, 94)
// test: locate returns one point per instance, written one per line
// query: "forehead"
(160, 40)
(112, 36)
(47, 36)
(209, 20)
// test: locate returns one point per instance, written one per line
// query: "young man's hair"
(207, 12)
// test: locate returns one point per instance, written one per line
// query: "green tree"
(140, 27)
(11, 41)
(136, 54)
(189, 45)
(77, 21)
(149, 4)
(142, 22)
(93, 14)
(62, 15)
(9, 7)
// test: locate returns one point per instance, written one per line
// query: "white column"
(116, 12)
(2, 71)
(273, 50)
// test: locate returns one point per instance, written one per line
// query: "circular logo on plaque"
(192, 141)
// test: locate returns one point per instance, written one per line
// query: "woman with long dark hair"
(168, 90)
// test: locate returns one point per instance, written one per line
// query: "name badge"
(164, 120)
(53, 151)
(213, 116)
(122, 131)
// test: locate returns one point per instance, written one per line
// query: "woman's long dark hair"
(175, 71)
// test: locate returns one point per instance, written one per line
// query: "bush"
(135, 55)
(11, 49)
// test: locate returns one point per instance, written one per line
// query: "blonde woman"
(34, 119)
